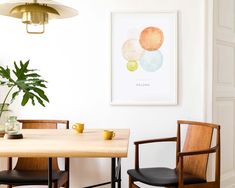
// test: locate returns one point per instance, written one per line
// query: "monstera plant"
(23, 80)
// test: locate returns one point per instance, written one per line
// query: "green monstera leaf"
(27, 81)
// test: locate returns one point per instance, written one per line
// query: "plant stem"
(4, 102)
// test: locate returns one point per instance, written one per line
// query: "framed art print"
(144, 58)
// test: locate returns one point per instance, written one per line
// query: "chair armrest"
(198, 152)
(171, 139)
(137, 143)
(191, 153)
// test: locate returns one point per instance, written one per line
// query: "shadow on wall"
(89, 171)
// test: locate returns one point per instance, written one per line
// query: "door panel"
(225, 68)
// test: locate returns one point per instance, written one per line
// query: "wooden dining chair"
(34, 171)
(191, 162)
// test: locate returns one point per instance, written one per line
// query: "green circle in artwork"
(132, 65)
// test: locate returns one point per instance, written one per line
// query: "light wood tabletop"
(66, 143)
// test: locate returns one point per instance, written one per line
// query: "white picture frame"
(144, 58)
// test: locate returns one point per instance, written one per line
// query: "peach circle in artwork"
(151, 38)
(131, 50)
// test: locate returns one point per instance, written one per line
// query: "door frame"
(208, 58)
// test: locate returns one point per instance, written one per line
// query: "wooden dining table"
(68, 143)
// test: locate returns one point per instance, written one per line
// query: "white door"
(224, 86)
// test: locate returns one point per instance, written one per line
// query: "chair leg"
(66, 185)
(55, 184)
(131, 183)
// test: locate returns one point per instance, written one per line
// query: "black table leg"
(119, 173)
(113, 166)
(49, 172)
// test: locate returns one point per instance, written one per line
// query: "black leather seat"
(161, 177)
(29, 177)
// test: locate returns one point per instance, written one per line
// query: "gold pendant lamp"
(37, 13)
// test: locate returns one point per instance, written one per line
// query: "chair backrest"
(198, 137)
(39, 163)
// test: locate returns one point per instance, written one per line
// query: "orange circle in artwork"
(151, 38)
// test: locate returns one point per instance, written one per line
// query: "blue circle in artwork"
(151, 61)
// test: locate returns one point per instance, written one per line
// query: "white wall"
(74, 56)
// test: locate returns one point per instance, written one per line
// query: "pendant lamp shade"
(36, 13)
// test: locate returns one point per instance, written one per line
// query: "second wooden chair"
(33, 171)
(191, 163)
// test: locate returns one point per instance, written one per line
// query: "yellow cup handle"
(74, 126)
(113, 134)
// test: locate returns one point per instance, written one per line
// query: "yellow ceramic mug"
(79, 127)
(108, 135)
